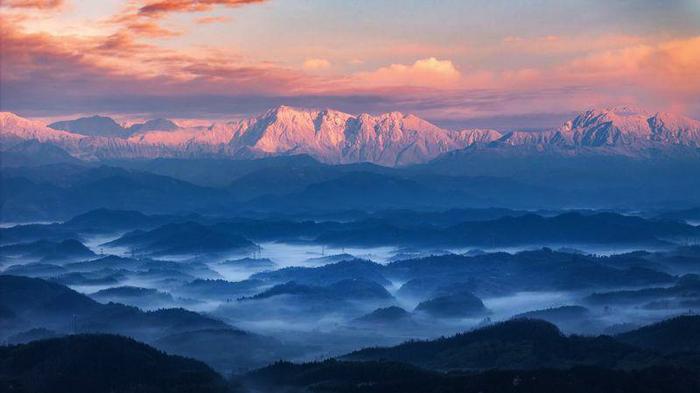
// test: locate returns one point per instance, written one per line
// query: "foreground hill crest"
(334, 137)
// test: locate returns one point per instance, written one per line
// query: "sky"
(458, 63)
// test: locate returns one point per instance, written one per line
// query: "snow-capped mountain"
(16, 128)
(337, 137)
(628, 126)
(391, 139)
(621, 127)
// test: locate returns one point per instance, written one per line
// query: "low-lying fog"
(252, 291)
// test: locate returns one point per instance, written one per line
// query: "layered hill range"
(390, 139)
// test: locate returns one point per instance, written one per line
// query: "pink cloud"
(670, 66)
(429, 72)
(578, 71)
(119, 63)
(553, 44)
(37, 4)
(160, 7)
(212, 19)
(316, 64)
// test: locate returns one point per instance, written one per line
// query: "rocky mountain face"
(390, 139)
(335, 137)
(626, 129)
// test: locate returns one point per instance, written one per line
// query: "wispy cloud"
(38, 4)
(146, 58)
(212, 19)
(161, 7)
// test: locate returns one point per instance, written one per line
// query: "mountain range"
(106, 126)
(334, 137)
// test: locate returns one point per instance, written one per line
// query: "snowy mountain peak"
(628, 126)
(9, 117)
(336, 137)
(14, 128)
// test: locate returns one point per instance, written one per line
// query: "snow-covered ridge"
(336, 137)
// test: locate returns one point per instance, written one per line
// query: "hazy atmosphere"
(329, 196)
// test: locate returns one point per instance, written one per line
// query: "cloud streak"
(38, 4)
(159, 8)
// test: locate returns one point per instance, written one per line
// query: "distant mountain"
(223, 171)
(385, 316)
(328, 135)
(336, 137)
(349, 289)
(39, 303)
(16, 131)
(219, 289)
(91, 126)
(41, 270)
(568, 228)
(183, 238)
(390, 139)
(107, 127)
(627, 125)
(458, 305)
(109, 221)
(515, 344)
(685, 294)
(501, 273)
(87, 188)
(620, 128)
(146, 298)
(153, 125)
(29, 297)
(354, 269)
(556, 314)
(46, 250)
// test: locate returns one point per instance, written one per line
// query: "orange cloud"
(142, 18)
(47, 66)
(565, 72)
(159, 7)
(38, 4)
(212, 19)
(316, 64)
(148, 28)
(667, 66)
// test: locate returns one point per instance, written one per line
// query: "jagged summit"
(630, 125)
(14, 128)
(336, 137)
